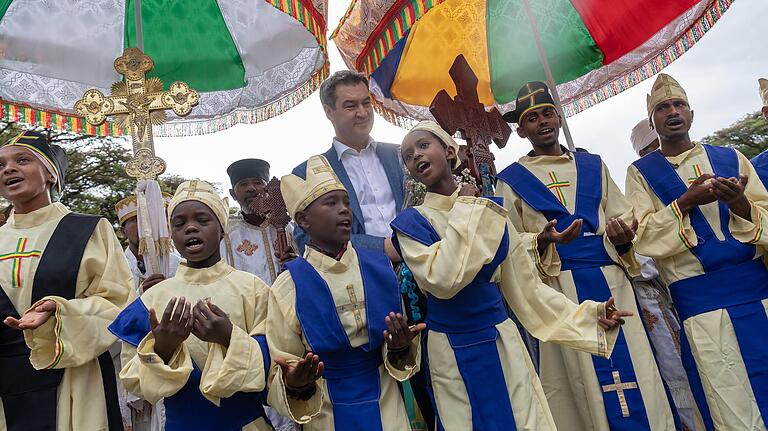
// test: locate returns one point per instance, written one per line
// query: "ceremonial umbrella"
(248, 59)
(592, 49)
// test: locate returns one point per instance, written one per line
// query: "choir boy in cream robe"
(338, 304)
(64, 279)
(468, 259)
(196, 339)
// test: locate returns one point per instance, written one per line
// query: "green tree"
(749, 135)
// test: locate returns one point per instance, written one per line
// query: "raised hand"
(33, 319)
(613, 316)
(211, 323)
(550, 235)
(173, 329)
(731, 192)
(619, 233)
(299, 376)
(398, 334)
(151, 281)
(698, 193)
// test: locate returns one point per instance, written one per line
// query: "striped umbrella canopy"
(249, 59)
(595, 49)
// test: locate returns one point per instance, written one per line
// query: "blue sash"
(585, 257)
(733, 280)
(351, 374)
(188, 409)
(760, 162)
(469, 321)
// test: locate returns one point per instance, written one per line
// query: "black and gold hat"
(532, 95)
(53, 157)
(248, 168)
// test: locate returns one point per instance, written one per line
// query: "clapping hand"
(731, 192)
(211, 323)
(299, 376)
(550, 235)
(173, 329)
(398, 334)
(619, 233)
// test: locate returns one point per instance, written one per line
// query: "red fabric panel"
(619, 26)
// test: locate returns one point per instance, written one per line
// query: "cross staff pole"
(548, 72)
(139, 35)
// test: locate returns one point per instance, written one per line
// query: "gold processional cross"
(619, 387)
(138, 103)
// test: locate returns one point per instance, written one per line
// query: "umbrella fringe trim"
(393, 117)
(653, 66)
(344, 18)
(244, 115)
(21, 113)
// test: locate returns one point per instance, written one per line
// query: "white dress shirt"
(372, 188)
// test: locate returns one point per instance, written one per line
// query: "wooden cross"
(138, 103)
(557, 186)
(619, 387)
(272, 206)
(478, 127)
(16, 256)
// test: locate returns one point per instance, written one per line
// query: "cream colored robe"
(569, 377)
(225, 371)
(104, 286)
(666, 238)
(471, 229)
(285, 340)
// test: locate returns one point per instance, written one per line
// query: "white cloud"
(719, 73)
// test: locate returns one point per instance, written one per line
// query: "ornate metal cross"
(619, 387)
(478, 127)
(138, 103)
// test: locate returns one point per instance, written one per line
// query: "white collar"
(342, 148)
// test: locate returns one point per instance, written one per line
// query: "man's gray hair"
(344, 77)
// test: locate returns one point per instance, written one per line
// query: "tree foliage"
(749, 135)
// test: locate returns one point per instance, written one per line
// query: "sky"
(719, 74)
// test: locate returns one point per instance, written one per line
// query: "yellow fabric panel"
(447, 30)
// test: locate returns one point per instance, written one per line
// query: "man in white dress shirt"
(371, 171)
